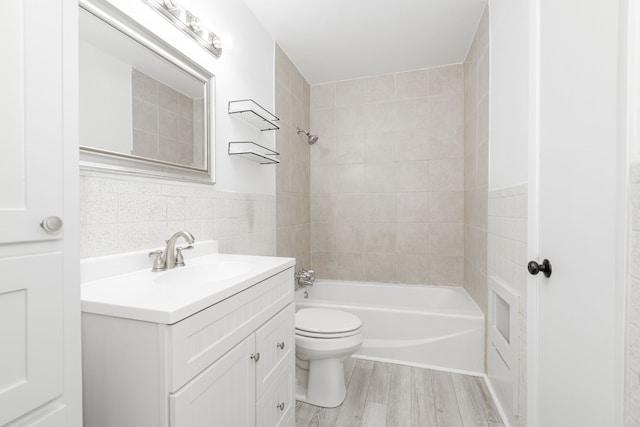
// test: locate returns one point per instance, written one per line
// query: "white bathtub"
(438, 327)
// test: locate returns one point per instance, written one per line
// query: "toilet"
(324, 339)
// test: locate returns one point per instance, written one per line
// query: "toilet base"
(322, 384)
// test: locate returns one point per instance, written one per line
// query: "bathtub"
(438, 327)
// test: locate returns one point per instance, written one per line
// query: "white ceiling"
(331, 40)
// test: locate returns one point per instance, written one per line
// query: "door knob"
(535, 268)
(51, 224)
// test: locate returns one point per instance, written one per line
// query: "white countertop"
(142, 295)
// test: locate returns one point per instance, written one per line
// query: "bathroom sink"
(124, 286)
(201, 274)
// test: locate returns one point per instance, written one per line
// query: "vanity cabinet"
(231, 364)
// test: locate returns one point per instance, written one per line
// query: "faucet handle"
(179, 256)
(158, 262)
(312, 275)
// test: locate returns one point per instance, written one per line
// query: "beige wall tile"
(323, 96)
(412, 144)
(380, 236)
(350, 236)
(282, 68)
(446, 239)
(380, 147)
(349, 149)
(380, 178)
(446, 270)
(412, 176)
(374, 172)
(446, 206)
(379, 88)
(412, 84)
(380, 117)
(412, 238)
(294, 179)
(380, 207)
(323, 236)
(350, 120)
(350, 178)
(349, 206)
(380, 267)
(349, 93)
(412, 268)
(446, 175)
(412, 207)
(323, 122)
(412, 114)
(446, 80)
(351, 266)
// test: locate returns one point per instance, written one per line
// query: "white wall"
(246, 70)
(509, 112)
(243, 71)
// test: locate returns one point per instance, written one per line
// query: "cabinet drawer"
(277, 404)
(197, 341)
(275, 341)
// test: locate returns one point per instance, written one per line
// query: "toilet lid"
(326, 321)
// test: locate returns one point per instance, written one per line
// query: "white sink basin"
(203, 273)
(124, 286)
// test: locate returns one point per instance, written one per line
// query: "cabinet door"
(31, 334)
(222, 395)
(274, 341)
(277, 403)
(31, 126)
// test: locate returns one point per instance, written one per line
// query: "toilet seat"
(326, 323)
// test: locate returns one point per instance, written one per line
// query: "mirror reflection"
(136, 104)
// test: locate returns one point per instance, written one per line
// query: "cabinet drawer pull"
(280, 406)
(255, 356)
(280, 345)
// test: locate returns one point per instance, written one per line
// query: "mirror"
(144, 106)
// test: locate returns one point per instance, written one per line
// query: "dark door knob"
(535, 268)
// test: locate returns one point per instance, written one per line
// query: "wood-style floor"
(389, 395)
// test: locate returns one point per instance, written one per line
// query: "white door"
(31, 111)
(572, 356)
(36, 311)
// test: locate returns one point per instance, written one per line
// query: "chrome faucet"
(305, 277)
(172, 256)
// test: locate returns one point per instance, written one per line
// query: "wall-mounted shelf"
(254, 152)
(254, 114)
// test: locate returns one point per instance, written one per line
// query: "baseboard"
(420, 365)
(496, 400)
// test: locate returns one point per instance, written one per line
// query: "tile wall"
(292, 94)
(122, 215)
(507, 258)
(387, 178)
(166, 123)
(476, 159)
(632, 374)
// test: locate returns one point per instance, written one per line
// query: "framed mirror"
(145, 108)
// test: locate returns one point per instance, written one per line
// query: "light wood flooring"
(389, 395)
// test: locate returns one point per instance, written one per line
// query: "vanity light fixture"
(189, 24)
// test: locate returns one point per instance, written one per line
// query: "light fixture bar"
(189, 24)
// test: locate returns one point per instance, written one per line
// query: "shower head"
(311, 139)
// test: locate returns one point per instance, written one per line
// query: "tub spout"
(305, 277)
(304, 282)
